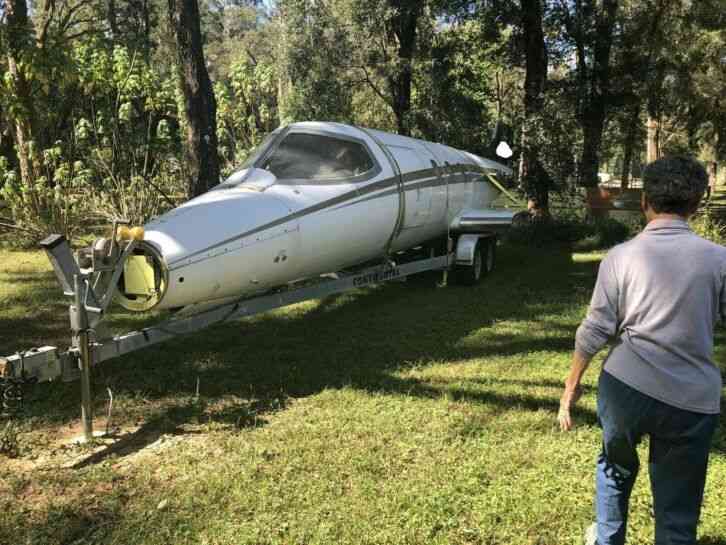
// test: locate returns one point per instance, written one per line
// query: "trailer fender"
(466, 246)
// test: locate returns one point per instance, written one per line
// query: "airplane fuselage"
(314, 198)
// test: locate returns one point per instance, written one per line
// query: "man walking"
(657, 300)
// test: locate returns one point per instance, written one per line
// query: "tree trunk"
(653, 140)
(111, 18)
(403, 31)
(20, 40)
(401, 90)
(534, 179)
(596, 106)
(655, 93)
(592, 138)
(631, 135)
(200, 107)
(712, 169)
(146, 8)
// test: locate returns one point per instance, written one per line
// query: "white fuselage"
(258, 230)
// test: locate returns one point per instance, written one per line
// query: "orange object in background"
(602, 200)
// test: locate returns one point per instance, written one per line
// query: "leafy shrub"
(709, 227)
(571, 230)
(9, 443)
(54, 202)
(138, 199)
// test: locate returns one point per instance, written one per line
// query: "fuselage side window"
(302, 156)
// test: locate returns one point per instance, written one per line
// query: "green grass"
(398, 414)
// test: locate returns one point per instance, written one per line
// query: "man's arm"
(722, 302)
(596, 330)
(573, 390)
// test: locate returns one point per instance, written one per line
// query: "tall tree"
(36, 40)
(20, 42)
(200, 107)
(402, 28)
(534, 178)
(130, 24)
(637, 71)
(590, 25)
(314, 62)
(466, 87)
(389, 31)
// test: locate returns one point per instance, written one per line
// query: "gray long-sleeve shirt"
(658, 298)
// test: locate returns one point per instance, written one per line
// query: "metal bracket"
(59, 253)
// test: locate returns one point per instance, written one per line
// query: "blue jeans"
(679, 446)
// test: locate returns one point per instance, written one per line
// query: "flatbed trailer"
(91, 300)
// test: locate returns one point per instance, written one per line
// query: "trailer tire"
(484, 261)
(489, 254)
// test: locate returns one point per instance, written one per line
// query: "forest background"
(125, 108)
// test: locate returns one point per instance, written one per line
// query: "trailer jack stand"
(92, 290)
(81, 341)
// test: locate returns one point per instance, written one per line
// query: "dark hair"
(674, 185)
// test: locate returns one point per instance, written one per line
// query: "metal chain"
(12, 391)
(11, 396)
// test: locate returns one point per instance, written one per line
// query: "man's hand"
(570, 397)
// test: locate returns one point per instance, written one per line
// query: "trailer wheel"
(489, 254)
(484, 260)
(470, 275)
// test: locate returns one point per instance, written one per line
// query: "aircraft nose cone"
(213, 220)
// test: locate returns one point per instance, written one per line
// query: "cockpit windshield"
(304, 156)
(260, 150)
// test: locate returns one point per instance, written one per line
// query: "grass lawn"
(396, 414)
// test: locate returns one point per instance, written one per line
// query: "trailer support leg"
(82, 342)
(449, 249)
(86, 399)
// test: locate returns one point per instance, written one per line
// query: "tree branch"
(375, 88)
(66, 22)
(48, 12)
(17, 227)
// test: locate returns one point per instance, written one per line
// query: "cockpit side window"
(304, 156)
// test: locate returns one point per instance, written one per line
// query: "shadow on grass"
(500, 402)
(69, 524)
(358, 339)
(170, 422)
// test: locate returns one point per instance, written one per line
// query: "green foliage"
(315, 56)
(131, 134)
(45, 76)
(136, 198)
(560, 140)
(115, 159)
(56, 201)
(465, 88)
(581, 234)
(99, 81)
(247, 108)
(131, 117)
(9, 442)
(709, 227)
